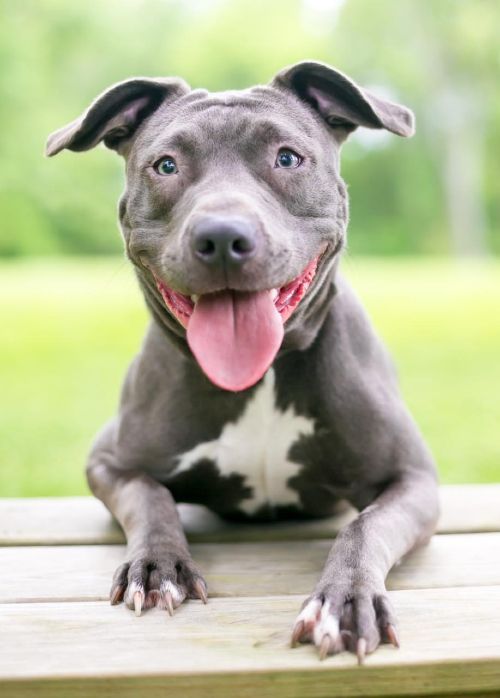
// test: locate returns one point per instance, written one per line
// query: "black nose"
(223, 240)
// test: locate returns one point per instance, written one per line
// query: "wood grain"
(344, 683)
(84, 520)
(241, 569)
(240, 646)
(59, 640)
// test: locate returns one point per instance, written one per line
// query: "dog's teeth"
(195, 297)
(274, 294)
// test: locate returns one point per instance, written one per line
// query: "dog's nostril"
(242, 245)
(205, 247)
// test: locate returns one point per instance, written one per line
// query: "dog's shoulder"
(350, 338)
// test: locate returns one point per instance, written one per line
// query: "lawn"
(70, 327)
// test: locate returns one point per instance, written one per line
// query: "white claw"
(172, 595)
(135, 597)
(137, 603)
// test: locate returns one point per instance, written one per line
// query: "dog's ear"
(343, 104)
(115, 115)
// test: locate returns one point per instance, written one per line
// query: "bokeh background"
(424, 235)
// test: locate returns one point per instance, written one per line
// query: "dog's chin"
(285, 298)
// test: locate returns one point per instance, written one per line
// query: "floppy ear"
(343, 104)
(115, 114)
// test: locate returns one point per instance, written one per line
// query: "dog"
(261, 390)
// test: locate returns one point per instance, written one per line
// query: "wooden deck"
(60, 637)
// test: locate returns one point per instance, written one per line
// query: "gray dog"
(261, 390)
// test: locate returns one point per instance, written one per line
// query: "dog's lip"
(286, 298)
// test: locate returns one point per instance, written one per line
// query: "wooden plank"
(56, 521)
(84, 520)
(74, 573)
(277, 684)
(240, 646)
(470, 508)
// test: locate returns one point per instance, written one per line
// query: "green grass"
(70, 327)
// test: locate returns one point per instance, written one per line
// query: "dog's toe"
(162, 581)
(353, 620)
(306, 620)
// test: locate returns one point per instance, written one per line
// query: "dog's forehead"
(261, 113)
(254, 101)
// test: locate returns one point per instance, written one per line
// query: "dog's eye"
(287, 159)
(166, 166)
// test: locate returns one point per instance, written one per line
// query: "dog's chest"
(257, 447)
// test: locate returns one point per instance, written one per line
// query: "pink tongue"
(235, 336)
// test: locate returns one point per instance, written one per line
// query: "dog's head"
(234, 211)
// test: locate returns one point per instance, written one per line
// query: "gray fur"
(331, 368)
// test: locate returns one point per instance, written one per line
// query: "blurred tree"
(435, 193)
(446, 57)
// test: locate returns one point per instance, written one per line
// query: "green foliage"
(72, 327)
(57, 55)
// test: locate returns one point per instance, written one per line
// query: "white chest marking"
(257, 446)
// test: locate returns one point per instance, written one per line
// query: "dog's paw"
(164, 580)
(356, 621)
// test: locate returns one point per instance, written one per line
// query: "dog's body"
(282, 402)
(289, 446)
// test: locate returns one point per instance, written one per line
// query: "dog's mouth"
(235, 335)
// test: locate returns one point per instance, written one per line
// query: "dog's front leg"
(349, 608)
(158, 570)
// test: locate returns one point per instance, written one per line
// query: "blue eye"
(166, 166)
(287, 159)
